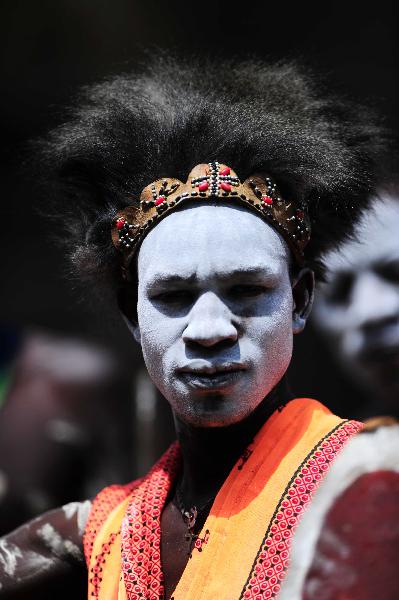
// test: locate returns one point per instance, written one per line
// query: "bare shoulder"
(45, 556)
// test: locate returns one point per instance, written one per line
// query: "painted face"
(214, 312)
(358, 307)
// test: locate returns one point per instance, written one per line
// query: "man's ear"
(302, 293)
(127, 302)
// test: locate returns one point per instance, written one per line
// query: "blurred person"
(59, 437)
(357, 308)
(201, 197)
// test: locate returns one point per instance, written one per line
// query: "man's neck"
(209, 454)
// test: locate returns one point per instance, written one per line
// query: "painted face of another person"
(215, 312)
(358, 307)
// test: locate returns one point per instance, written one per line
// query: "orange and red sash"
(243, 549)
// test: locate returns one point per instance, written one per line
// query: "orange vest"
(243, 549)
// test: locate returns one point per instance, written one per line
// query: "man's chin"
(214, 411)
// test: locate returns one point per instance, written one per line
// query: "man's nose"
(210, 322)
(374, 301)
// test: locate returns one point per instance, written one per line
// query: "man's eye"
(389, 271)
(338, 292)
(174, 297)
(246, 291)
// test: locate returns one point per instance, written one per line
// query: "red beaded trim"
(95, 574)
(272, 559)
(216, 180)
(141, 530)
(102, 505)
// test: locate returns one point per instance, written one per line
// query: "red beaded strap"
(103, 504)
(141, 530)
(271, 562)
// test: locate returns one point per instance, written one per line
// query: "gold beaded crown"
(209, 182)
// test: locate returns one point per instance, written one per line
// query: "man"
(213, 267)
(357, 307)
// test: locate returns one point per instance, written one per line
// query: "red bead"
(120, 223)
(159, 200)
(225, 186)
(300, 214)
(225, 171)
(203, 186)
(267, 200)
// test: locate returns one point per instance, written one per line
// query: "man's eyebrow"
(172, 279)
(385, 261)
(163, 279)
(252, 272)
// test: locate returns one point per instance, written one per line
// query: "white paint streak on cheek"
(9, 555)
(81, 510)
(56, 544)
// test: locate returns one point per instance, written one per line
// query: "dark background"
(50, 48)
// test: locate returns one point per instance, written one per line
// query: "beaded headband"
(209, 182)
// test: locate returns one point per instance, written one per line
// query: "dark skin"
(39, 571)
(203, 474)
(209, 454)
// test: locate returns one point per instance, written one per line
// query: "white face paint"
(358, 307)
(214, 312)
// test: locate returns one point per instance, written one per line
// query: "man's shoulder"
(45, 554)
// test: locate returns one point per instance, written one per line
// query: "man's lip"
(211, 380)
(202, 368)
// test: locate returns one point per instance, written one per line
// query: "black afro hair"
(165, 118)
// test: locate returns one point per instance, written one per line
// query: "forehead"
(209, 239)
(377, 239)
